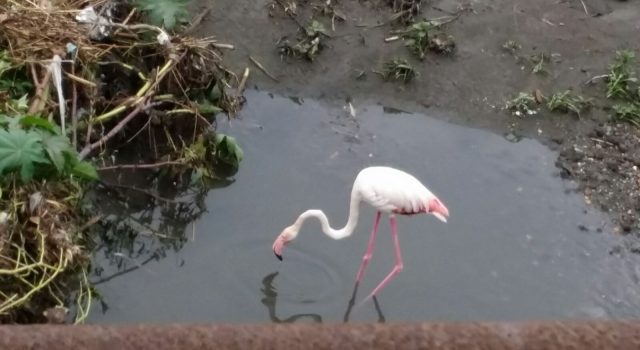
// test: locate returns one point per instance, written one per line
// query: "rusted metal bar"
(433, 336)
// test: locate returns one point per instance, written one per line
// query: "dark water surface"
(513, 249)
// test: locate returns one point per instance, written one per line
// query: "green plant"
(309, 46)
(425, 35)
(228, 150)
(522, 105)
(211, 156)
(622, 84)
(512, 46)
(398, 69)
(5, 65)
(14, 81)
(20, 150)
(416, 37)
(629, 112)
(538, 62)
(315, 28)
(566, 102)
(165, 13)
(621, 78)
(33, 148)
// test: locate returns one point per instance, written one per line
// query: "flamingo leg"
(370, 247)
(399, 263)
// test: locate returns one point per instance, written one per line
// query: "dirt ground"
(472, 85)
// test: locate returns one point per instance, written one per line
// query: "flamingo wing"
(393, 191)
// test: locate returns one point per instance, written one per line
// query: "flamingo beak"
(437, 209)
(278, 246)
(440, 217)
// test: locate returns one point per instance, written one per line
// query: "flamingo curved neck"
(347, 230)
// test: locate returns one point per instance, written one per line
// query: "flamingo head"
(437, 209)
(283, 239)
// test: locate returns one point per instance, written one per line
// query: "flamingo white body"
(388, 190)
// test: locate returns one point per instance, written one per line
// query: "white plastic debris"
(71, 48)
(98, 25)
(4, 222)
(35, 199)
(352, 111)
(163, 39)
(56, 72)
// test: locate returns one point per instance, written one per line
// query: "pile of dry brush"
(137, 84)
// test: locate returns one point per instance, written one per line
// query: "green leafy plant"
(567, 101)
(316, 28)
(416, 37)
(398, 69)
(621, 78)
(228, 150)
(538, 62)
(629, 112)
(13, 79)
(33, 147)
(424, 35)
(622, 85)
(20, 150)
(213, 157)
(309, 46)
(5, 65)
(165, 13)
(522, 105)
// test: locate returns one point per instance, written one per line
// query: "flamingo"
(390, 191)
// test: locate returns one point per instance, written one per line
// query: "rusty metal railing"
(433, 336)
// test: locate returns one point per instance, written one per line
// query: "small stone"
(511, 137)
(612, 165)
(56, 315)
(573, 155)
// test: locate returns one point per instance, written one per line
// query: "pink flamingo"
(388, 190)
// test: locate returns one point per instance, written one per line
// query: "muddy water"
(520, 243)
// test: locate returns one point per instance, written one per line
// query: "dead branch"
(142, 166)
(142, 106)
(41, 86)
(243, 81)
(264, 70)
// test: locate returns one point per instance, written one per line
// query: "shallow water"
(513, 248)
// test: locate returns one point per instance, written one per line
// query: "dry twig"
(264, 70)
